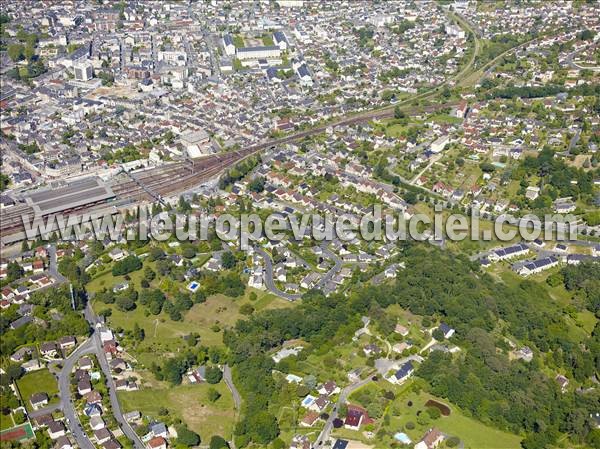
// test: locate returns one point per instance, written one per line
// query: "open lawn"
(164, 336)
(188, 402)
(474, 434)
(107, 280)
(41, 381)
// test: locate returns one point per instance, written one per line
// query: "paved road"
(64, 386)
(92, 345)
(572, 64)
(114, 400)
(269, 282)
(112, 390)
(325, 433)
(333, 270)
(53, 266)
(237, 398)
(45, 410)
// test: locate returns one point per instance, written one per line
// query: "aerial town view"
(303, 224)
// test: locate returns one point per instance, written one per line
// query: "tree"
(127, 265)
(14, 271)
(246, 309)
(186, 437)
(29, 52)
(156, 253)
(149, 274)
(257, 184)
(438, 334)
(125, 303)
(218, 442)
(399, 113)
(15, 52)
(228, 260)
(188, 252)
(213, 375)
(138, 332)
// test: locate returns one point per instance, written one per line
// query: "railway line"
(171, 179)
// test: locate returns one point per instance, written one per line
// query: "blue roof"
(511, 250)
(340, 444)
(279, 36)
(445, 328)
(228, 40)
(303, 71)
(404, 370)
(539, 263)
(257, 49)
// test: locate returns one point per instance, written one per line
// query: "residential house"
(157, 443)
(38, 400)
(56, 429)
(446, 330)
(49, 349)
(403, 373)
(84, 387)
(432, 439)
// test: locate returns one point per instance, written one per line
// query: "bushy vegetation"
(509, 395)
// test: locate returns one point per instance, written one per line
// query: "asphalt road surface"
(325, 433)
(64, 386)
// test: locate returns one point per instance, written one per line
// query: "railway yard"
(90, 194)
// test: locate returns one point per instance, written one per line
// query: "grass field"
(473, 433)
(41, 381)
(188, 402)
(217, 309)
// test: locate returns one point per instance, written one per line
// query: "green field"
(41, 381)
(238, 41)
(474, 434)
(188, 402)
(163, 335)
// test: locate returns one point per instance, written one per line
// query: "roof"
(303, 71)
(228, 40)
(36, 398)
(340, 444)
(258, 49)
(404, 370)
(539, 263)
(279, 36)
(74, 194)
(157, 442)
(431, 437)
(511, 250)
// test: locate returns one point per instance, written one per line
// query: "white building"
(272, 51)
(439, 144)
(228, 45)
(84, 71)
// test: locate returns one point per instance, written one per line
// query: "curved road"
(325, 433)
(64, 386)
(92, 345)
(270, 283)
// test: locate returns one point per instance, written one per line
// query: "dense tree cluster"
(46, 302)
(128, 265)
(585, 280)
(512, 395)
(238, 171)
